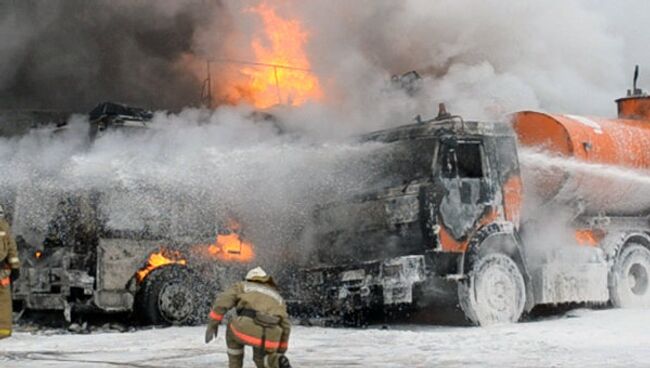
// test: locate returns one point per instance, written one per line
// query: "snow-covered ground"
(580, 338)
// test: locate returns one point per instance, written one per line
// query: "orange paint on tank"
(621, 143)
(637, 107)
(618, 142)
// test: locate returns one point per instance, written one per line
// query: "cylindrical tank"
(601, 166)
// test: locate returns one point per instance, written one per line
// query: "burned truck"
(156, 280)
(80, 262)
(446, 222)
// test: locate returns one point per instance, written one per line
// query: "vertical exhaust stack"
(636, 105)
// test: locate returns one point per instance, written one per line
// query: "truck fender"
(498, 236)
(613, 244)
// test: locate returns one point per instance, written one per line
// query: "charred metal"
(442, 224)
(79, 263)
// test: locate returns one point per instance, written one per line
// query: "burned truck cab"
(109, 116)
(440, 185)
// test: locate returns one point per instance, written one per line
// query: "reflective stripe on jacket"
(262, 297)
(250, 333)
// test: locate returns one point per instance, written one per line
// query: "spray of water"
(590, 188)
(584, 189)
(540, 160)
(183, 178)
(482, 59)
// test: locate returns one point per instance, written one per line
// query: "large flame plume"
(270, 67)
(283, 75)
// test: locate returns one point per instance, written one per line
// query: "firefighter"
(9, 271)
(261, 322)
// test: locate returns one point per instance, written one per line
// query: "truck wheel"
(630, 287)
(495, 291)
(168, 296)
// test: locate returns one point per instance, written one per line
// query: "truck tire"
(630, 287)
(494, 291)
(169, 296)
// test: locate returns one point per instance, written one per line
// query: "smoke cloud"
(73, 54)
(482, 58)
(485, 58)
(183, 179)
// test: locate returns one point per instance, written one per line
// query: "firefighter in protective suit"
(9, 271)
(261, 322)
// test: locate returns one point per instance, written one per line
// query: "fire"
(38, 254)
(159, 259)
(281, 71)
(231, 248)
(589, 237)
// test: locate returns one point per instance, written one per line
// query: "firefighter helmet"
(256, 273)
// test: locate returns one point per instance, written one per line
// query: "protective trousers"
(262, 359)
(5, 309)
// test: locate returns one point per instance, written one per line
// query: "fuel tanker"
(495, 217)
(614, 153)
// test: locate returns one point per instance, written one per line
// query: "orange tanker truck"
(495, 217)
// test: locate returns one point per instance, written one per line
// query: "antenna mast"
(206, 88)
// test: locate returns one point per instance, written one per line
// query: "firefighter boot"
(283, 362)
(258, 358)
(275, 360)
(235, 360)
(235, 351)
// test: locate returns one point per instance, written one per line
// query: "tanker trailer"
(607, 161)
(450, 218)
(595, 178)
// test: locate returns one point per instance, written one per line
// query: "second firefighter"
(9, 271)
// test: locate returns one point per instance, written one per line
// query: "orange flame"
(589, 237)
(283, 74)
(38, 254)
(156, 260)
(231, 248)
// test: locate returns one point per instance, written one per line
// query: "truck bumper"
(366, 286)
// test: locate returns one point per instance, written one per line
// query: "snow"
(580, 338)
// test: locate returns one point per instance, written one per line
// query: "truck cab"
(82, 260)
(441, 185)
(443, 220)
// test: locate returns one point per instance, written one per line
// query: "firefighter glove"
(15, 273)
(211, 331)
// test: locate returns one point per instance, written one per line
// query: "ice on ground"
(580, 338)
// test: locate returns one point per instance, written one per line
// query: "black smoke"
(72, 54)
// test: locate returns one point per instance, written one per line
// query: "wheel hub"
(497, 289)
(638, 279)
(175, 303)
